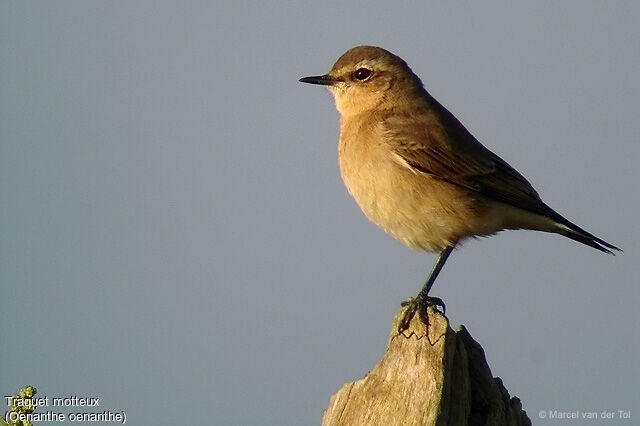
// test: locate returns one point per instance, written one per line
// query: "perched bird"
(417, 172)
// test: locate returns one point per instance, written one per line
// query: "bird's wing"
(442, 147)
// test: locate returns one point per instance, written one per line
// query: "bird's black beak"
(324, 80)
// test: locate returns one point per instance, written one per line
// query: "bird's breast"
(420, 211)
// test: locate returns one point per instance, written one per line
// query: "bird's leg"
(424, 293)
(422, 301)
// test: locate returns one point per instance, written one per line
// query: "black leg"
(442, 258)
(423, 300)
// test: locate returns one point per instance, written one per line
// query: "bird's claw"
(419, 304)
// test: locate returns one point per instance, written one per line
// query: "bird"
(417, 172)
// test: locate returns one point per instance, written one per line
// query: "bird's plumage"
(416, 171)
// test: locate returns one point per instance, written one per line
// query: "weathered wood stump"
(440, 378)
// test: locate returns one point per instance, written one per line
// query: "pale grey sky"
(176, 239)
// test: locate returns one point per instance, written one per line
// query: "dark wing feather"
(433, 141)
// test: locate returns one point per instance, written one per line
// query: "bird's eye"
(362, 74)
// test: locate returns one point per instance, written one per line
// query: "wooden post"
(440, 378)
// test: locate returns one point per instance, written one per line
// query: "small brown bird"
(417, 172)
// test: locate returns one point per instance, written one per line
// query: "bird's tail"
(576, 233)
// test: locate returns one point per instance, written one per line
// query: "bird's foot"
(419, 304)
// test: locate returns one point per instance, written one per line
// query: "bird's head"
(368, 77)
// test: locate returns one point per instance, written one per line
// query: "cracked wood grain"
(435, 376)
